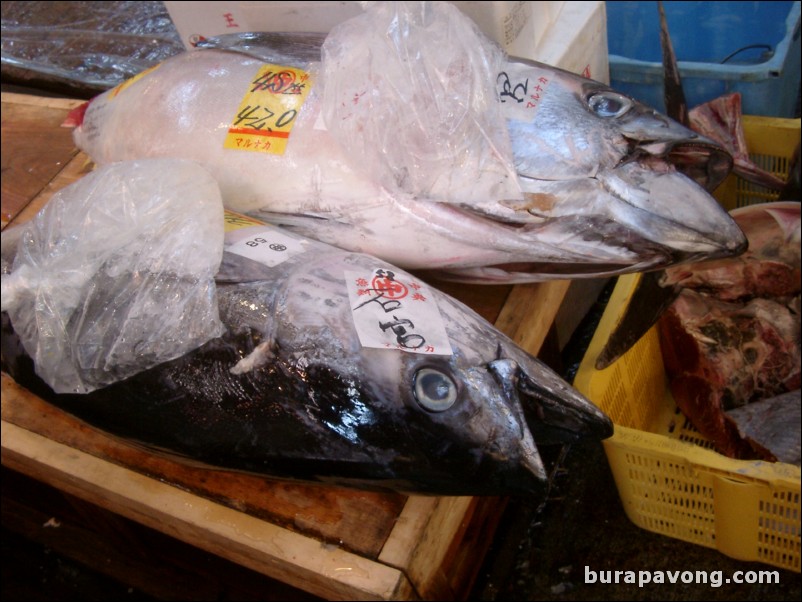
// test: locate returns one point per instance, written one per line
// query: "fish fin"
(674, 95)
(262, 354)
(648, 302)
(75, 117)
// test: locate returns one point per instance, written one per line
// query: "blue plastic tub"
(721, 47)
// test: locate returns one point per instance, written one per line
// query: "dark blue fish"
(289, 391)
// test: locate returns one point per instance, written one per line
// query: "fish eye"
(434, 390)
(609, 104)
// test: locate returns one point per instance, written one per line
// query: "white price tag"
(266, 245)
(396, 312)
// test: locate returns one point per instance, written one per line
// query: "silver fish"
(608, 185)
(290, 391)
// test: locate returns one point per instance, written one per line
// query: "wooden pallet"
(334, 543)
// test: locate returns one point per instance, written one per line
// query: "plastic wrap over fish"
(116, 273)
(423, 118)
(404, 157)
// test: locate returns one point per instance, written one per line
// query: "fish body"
(290, 391)
(598, 190)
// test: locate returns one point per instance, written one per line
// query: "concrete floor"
(542, 553)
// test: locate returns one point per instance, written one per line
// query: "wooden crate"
(332, 542)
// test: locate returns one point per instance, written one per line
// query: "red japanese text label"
(395, 311)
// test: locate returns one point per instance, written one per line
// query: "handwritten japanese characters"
(391, 313)
(265, 117)
(521, 89)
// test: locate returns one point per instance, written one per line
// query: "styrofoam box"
(571, 35)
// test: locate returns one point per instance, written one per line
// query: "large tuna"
(581, 182)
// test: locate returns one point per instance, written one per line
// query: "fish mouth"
(671, 209)
(700, 159)
(555, 417)
(505, 372)
(633, 235)
(651, 210)
(655, 139)
(553, 411)
(706, 164)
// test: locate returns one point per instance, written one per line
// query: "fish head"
(579, 126)
(464, 423)
(498, 400)
(608, 180)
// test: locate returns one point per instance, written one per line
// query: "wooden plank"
(529, 312)
(43, 151)
(104, 543)
(428, 555)
(486, 300)
(304, 562)
(56, 106)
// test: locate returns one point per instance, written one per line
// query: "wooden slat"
(102, 543)
(529, 312)
(303, 562)
(43, 150)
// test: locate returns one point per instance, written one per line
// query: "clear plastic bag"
(116, 273)
(410, 95)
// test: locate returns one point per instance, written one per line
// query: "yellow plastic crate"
(771, 142)
(668, 476)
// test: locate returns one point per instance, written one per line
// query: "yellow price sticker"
(268, 111)
(235, 221)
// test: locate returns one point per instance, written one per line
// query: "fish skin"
(307, 402)
(600, 197)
